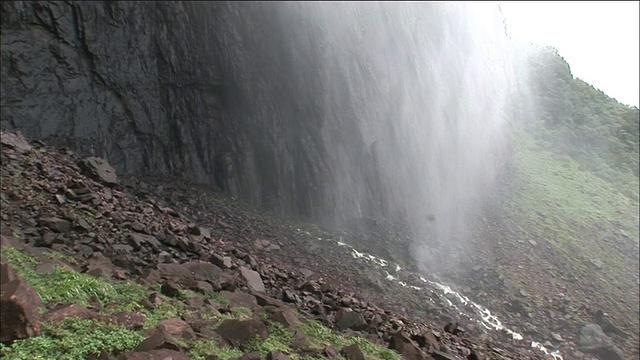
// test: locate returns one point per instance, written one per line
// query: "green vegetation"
(75, 338)
(65, 286)
(321, 336)
(574, 118)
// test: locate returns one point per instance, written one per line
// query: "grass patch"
(65, 286)
(73, 339)
(321, 336)
(77, 338)
(279, 340)
(202, 348)
(554, 199)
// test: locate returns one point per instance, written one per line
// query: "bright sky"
(599, 40)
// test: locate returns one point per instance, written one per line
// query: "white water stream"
(481, 314)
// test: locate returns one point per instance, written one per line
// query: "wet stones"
(593, 340)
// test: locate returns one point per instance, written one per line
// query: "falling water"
(409, 100)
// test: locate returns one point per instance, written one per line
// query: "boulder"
(19, 316)
(401, 343)
(253, 279)
(352, 352)
(15, 140)
(177, 328)
(159, 339)
(241, 332)
(593, 340)
(6, 274)
(99, 170)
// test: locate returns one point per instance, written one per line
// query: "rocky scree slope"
(129, 235)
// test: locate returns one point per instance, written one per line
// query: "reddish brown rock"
(264, 300)
(348, 319)
(284, 317)
(401, 343)
(241, 332)
(170, 288)
(241, 299)
(277, 355)
(159, 339)
(62, 312)
(6, 274)
(177, 327)
(352, 352)
(331, 352)
(161, 354)
(19, 316)
(99, 265)
(132, 320)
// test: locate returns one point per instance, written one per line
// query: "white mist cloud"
(599, 40)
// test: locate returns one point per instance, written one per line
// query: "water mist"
(409, 99)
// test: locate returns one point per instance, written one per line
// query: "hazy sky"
(599, 40)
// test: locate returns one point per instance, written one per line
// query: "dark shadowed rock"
(170, 288)
(138, 239)
(441, 355)
(99, 169)
(352, 352)
(240, 299)
(56, 224)
(6, 274)
(241, 332)
(19, 316)
(593, 340)
(264, 300)
(159, 339)
(221, 261)
(348, 319)
(401, 343)
(277, 355)
(251, 356)
(331, 352)
(284, 316)
(454, 328)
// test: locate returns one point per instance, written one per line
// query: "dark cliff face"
(128, 81)
(287, 105)
(161, 88)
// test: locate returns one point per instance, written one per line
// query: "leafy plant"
(72, 339)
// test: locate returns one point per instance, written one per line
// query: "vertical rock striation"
(322, 110)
